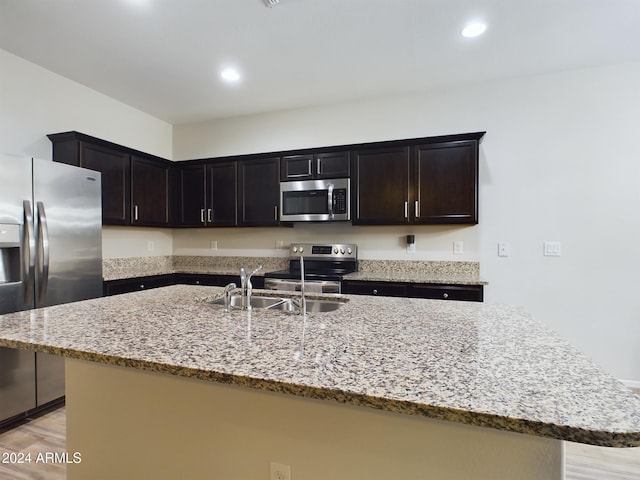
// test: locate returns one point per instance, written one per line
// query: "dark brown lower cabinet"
(127, 285)
(470, 293)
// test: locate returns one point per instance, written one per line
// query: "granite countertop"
(442, 272)
(477, 364)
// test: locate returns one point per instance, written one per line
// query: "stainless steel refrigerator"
(50, 253)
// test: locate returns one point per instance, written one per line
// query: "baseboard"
(633, 384)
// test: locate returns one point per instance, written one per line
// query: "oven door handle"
(330, 199)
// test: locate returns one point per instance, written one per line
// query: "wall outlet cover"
(458, 247)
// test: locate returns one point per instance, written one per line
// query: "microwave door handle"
(330, 199)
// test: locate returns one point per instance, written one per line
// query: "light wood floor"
(47, 434)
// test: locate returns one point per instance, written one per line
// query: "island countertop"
(477, 364)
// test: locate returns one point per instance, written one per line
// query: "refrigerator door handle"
(28, 253)
(43, 241)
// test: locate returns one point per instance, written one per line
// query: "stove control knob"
(301, 249)
(349, 251)
(335, 250)
(342, 251)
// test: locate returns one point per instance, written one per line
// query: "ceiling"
(164, 57)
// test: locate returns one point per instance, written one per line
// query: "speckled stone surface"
(460, 273)
(457, 273)
(119, 268)
(477, 364)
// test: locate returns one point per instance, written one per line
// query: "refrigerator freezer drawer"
(17, 382)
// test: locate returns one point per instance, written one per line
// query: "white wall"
(35, 102)
(559, 162)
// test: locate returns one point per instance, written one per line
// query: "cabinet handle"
(310, 166)
(375, 291)
(275, 213)
(142, 286)
(406, 209)
(417, 209)
(135, 212)
(319, 167)
(209, 215)
(445, 295)
(202, 215)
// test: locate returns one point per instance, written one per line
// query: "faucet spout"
(246, 287)
(303, 300)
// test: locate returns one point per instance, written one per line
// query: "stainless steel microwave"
(315, 200)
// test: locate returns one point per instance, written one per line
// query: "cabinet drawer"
(470, 293)
(385, 289)
(115, 287)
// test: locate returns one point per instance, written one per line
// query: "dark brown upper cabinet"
(445, 182)
(259, 192)
(381, 185)
(135, 185)
(315, 166)
(189, 194)
(206, 194)
(149, 192)
(430, 180)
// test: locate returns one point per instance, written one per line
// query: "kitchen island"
(163, 384)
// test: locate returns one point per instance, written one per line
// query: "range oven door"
(315, 200)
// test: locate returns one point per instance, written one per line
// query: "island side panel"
(131, 424)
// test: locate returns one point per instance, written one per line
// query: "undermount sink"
(283, 304)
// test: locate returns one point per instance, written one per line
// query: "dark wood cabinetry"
(445, 177)
(135, 185)
(470, 293)
(315, 166)
(259, 192)
(149, 192)
(114, 166)
(127, 285)
(222, 193)
(381, 185)
(206, 194)
(430, 180)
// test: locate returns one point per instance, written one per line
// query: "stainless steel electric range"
(324, 266)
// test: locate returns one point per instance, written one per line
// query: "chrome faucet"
(228, 291)
(246, 287)
(302, 302)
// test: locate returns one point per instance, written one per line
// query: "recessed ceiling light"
(230, 75)
(474, 30)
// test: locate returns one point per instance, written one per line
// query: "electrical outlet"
(279, 244)
(150, 246)
(280, 471)
(458, 247)
(504, 249)
(214, 244)
(411, 248)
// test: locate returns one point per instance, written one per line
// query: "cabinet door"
(222, 194)
(116, 181)
(381, 186)
(332, 165)
(446, 183)
(297, 167)
(150, 192)
(259, 192)
(190, 195)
